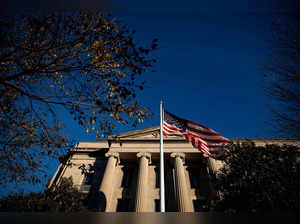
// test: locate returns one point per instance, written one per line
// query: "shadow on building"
(93, 175)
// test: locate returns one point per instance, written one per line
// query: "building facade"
(121, 174)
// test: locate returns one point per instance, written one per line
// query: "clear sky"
(210, 58)
(209, 61)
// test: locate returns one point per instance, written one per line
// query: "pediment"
(148, 133)
(144, 134)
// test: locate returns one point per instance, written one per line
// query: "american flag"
(205, 139)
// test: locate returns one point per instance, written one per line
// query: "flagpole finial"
(161, 102)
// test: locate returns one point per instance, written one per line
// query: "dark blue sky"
(210, 62)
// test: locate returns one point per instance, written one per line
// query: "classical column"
(142, 182)
(106, 186)
(183, 197)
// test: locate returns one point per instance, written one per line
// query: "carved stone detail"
(147, 155)
(115, 155)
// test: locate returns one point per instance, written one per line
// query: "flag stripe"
(168, 134)
(171, 130)
(176, 132)
(171, 127)
(211, 138)
(204, 139)
(210, 143)
(204, 132)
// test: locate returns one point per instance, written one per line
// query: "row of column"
(181, 189)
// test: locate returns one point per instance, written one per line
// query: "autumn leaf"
(83, 63)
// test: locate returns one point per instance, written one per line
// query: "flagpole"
(162, 179)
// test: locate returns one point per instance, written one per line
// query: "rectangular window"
(87, 181)
(88, 178)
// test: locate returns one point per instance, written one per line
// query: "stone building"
(122, 172)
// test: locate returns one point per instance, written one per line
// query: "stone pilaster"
(141, 203)
(182, 195)
(106, 186)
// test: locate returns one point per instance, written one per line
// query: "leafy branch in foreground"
(84, 63)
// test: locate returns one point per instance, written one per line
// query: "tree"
(283, 75)
(85, 63)
(259, 179)
(61, 198)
